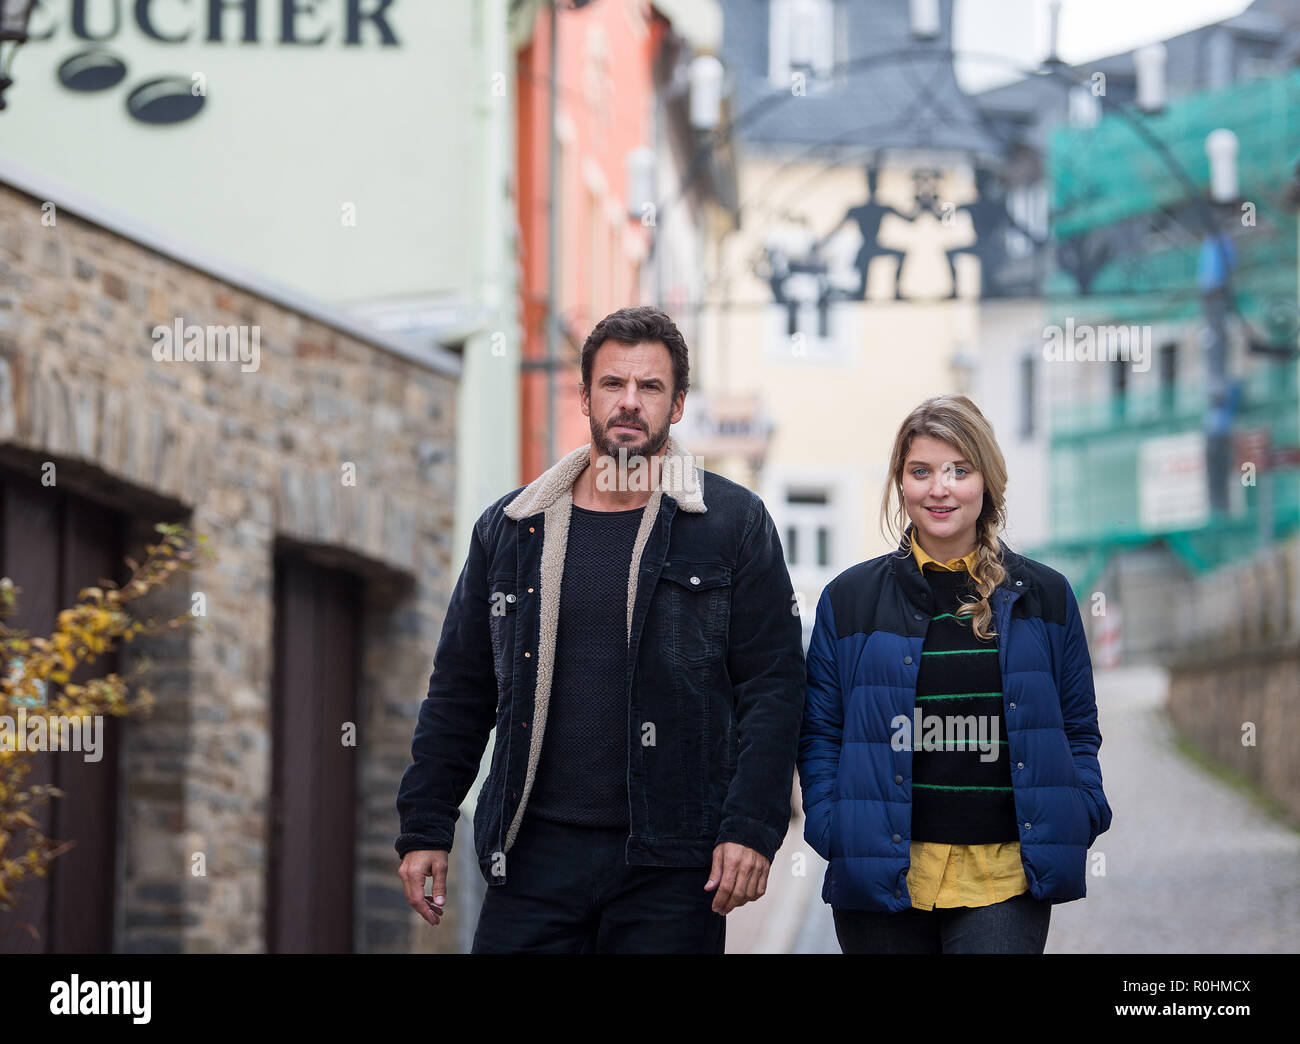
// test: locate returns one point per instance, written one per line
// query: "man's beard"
(649, 444)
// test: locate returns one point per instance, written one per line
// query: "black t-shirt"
(582, 775)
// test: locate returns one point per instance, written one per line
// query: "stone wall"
(255, 460)
(1235, 659)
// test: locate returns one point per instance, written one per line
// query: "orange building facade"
(605, 109)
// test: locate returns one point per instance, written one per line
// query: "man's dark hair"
(635, 326)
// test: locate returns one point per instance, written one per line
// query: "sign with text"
(1173, 491)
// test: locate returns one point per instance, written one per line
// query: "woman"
(948, 754)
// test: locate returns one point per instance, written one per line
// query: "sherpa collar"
(557, 480)
(551, 494)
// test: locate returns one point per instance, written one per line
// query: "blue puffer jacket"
(862, 666)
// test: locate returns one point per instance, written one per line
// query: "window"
(1027, 207)
(808, 512)
(814, 497)
(817, 523)
(595, 226)
(1119, 389)
(823, 535)
(1028, 389)
(804, 329)
(1168, 372)
(1218, 59)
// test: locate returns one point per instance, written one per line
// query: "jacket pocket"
(1087, 832)
(502, 606)
(698, 603)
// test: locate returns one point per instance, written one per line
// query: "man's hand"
(739, 874)
(416, 866)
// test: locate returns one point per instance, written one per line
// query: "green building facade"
(1126, 449)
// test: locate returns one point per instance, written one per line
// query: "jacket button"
(898, 779)
(918, 616)
(695, 579)
(898, 893)
(510, 598)
(896, 838)
(523, 724)
(1029, 826)
(531, 530)
(530, 590)
(528, 656)
(907, 659)
(1019, 583)
(1013, 702)
(1020, 764)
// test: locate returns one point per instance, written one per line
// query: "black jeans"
(1015, 925)
(569, 890)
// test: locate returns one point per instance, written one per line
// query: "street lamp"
(1150, 63)
(641, 192)
(706, 92)
(924, 15)
(1214, 278)
(1221, 149)
(14, 15)
(1054, 31)
(804, 15)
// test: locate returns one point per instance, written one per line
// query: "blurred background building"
(629, 221)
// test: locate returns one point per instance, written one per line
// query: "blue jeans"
(570, 890)
(1015, 925)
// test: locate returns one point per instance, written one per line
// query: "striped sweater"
(961, 789)
(948, 874)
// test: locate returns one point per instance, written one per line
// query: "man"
(627, 623)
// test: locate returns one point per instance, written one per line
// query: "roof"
(891, 101)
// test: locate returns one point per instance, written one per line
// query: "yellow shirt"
(962, 875)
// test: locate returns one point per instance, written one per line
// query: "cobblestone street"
(1192, 865)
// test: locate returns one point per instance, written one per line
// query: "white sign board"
(1172, 484)
(329, 144)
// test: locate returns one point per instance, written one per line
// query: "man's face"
(630, 402)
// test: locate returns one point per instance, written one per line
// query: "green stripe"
(956, 652)
(944, 616)
(959, 695)
(935, 786)
(1003, 742)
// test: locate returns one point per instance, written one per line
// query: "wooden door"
(53, 544)
(313, 784)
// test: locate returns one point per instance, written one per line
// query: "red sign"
(1285, 457)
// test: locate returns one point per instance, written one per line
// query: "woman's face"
(943, 495)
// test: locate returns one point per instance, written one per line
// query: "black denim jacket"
(715, 675)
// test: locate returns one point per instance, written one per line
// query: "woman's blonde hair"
(956, 420)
